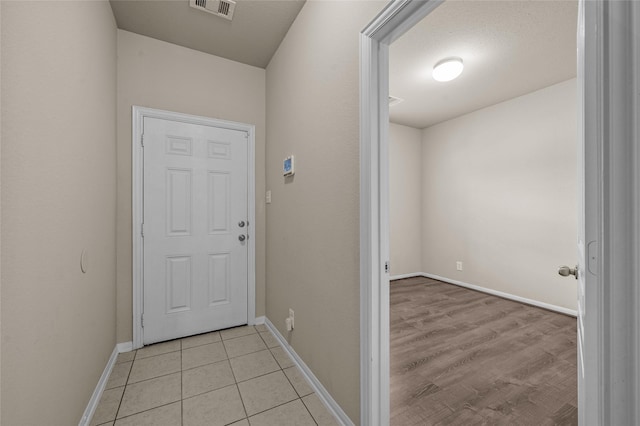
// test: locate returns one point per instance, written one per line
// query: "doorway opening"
(608, 266)
(483, 185)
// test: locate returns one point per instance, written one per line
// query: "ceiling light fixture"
(448, 69)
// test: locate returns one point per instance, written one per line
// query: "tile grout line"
(216, 341)
(236, 337)
(244, 335)
(309, 411)
(302, 401)
(228, 360)
(248, 353)
(201, 344)
(235, 381)
(152, 378)
(160, 354)
(126, 383)
(204, 365)
(288, 380)
(210, 391)
(146, 380)
(139, 412)
(298, 393)
(280, 405)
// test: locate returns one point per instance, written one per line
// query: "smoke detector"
(221, 8)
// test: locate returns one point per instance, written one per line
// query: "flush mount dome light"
(448, 69)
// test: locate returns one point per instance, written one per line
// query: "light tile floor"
(240, 377)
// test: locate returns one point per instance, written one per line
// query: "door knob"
(241, 237)
(241, 224)
(565, 271)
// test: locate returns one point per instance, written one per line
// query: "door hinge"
(142, 320)
(142, 230)
(142, 140)
(386, 267)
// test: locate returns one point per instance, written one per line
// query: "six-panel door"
(195, 201)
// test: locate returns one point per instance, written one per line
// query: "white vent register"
(222, 8)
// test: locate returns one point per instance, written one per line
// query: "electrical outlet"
(292, 316)
(459, 266)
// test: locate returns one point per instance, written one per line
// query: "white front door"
(194, 229)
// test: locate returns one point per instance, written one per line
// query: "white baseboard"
(97, 393)
(125, 347)
(504, 295)
(259, 320)
(320, 390)
(403, 276)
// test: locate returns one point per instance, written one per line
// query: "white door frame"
(137, 164)
(611, 106)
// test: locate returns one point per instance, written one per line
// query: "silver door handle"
(241, 237)
(565, 271)
(241, 224)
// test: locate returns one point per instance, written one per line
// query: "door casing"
(611, 126)
(137, 165)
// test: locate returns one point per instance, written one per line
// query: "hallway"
(239, 376)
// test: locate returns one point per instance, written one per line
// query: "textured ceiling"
(252, 37)
(509, 48)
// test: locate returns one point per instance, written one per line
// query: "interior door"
(194, 229)
(587, 244)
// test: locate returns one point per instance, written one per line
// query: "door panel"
(219, 202)
(178, 283)
(195, 195)
(178, 202)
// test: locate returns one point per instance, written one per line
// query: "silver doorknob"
(565, 271)
(241, 224)
(241, 237)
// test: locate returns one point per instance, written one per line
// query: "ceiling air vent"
(394, 101)
(222, 8)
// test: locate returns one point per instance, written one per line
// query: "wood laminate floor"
(461, 357)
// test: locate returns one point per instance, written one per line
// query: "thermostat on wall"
(287, 166)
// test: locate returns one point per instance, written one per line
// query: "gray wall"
(499, 192)
(58, 198)
(313, 221)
